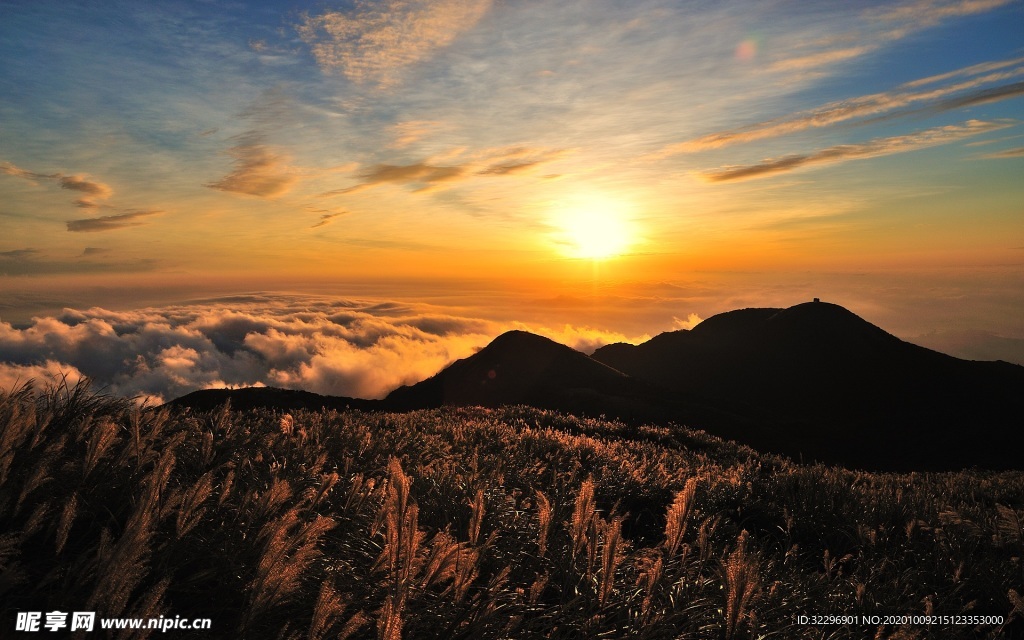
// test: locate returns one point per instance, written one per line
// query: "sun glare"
(594, 232)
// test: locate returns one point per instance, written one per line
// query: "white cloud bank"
(330, 346)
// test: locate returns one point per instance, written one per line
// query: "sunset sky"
(443, 170)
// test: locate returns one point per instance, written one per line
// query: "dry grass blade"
(67, 517)
(611, 556)
(190, 511)
(103, 435)
(290, 546)
(477, 517)
(742, 581)
(399, 516)
(543, 522)
(1010, 525)
(583, 518)
(329, 608)
(678, 516)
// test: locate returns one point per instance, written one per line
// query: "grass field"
(476, 523)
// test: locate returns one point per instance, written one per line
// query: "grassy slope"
(475, 523)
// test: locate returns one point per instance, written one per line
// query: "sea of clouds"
(355, 348)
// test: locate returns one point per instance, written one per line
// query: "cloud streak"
(376, 40)
(417, 173)
(31, 261)
(1006, 153)
(425, 176)
(926, 13)
(880, 105)
(841, 153)
(19, 254)
(81, 183)
(110, 223)
(92, 191)
(86, 186)
(821, 58)
(885, 26)
(12, 170)
(326, 217)
(259, 171)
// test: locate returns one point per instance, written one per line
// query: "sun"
(594, 232)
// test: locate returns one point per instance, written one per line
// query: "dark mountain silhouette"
(519, 367)
(828, 385)
(814, 381)
(270, 397)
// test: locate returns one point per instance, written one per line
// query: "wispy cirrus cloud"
(820, 58)
(871, 108)
(925, 13)
(973, 70)
(374, 40)
(92, 189)
(110, 223)
(1006, 153)
(261, 165)
(841, 153)
(326, 216)
(425, 176)
(517, 160)
(19, 254)
(421, 175)
(411, 131)
(883, 26)
(260, 170)
(30, 261)
(10, 169)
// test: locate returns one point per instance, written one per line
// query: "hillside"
(481, 523)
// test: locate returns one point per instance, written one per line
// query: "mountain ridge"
(813, 381)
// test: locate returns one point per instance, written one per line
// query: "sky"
(346, 196)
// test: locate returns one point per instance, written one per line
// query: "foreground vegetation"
(476, 523)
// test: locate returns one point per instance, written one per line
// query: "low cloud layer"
(974, 345)
(330, 346)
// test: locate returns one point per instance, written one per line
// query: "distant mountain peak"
(518, 339)
(734, 322)
(814, 324)
(517, 367)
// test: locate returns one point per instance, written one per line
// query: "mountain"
(269, 397)
(814, 381)
(828, 385)
(519, 367)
